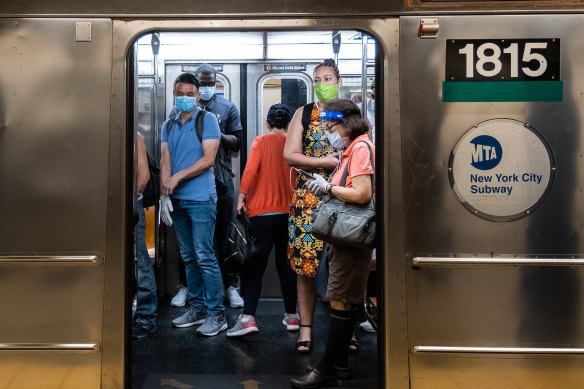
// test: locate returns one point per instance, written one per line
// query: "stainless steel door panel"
(497, 315)
(431, 128)
(54, 123)
(487, 372)
(503, 306)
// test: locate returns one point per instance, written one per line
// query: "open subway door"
(491, 130)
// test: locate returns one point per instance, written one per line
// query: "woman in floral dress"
(307, 149)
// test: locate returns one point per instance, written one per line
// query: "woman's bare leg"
(306, 303)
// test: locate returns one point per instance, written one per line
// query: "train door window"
(292, 90)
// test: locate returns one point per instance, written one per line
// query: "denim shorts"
(348, 272)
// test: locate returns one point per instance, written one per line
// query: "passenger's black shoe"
(141, 330)
(313, 380)
(343, 373)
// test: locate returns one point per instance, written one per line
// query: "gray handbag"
(346, 224)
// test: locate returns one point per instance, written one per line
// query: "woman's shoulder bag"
(346, 224)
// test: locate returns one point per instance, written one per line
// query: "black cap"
(274, 108)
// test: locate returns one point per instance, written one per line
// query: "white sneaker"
(235, 300)
(180, 298)
(366, 326)
(292, 323)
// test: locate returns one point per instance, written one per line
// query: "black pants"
(270, 230)
(224, 217)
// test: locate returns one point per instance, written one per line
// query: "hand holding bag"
(240, 243)
(346, 224)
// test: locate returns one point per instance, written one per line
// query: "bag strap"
(306, 114)
(346, 171)
(198, 125)
(169, 124)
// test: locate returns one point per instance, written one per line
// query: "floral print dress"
(303, 247)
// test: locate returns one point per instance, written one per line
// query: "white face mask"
(336, 141)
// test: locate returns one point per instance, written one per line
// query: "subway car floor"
(178, 358)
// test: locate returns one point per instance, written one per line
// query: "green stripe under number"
(491, 91)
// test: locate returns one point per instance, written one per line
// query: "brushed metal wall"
(530, 313)
(54, 137)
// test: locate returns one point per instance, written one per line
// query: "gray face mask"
(336, 141)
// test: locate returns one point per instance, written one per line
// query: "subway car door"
(492, 152)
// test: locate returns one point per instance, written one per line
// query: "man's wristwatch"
(329, 188)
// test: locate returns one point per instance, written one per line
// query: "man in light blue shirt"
(230, 125)
(189, 202)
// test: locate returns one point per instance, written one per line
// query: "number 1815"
(494, 57)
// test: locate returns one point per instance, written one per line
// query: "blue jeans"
(147, 299)
(194, 223)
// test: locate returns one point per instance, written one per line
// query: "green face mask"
(326, 92)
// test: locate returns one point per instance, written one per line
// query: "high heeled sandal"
(304, 343)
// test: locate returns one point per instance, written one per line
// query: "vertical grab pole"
(364, 39)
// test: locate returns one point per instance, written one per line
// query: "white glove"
(318, 185)
(165, 210)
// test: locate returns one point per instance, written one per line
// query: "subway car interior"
(255, 69)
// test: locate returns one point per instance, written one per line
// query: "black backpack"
(152, 191)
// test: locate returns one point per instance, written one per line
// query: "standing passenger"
(349, 266)
(230, 125)
(147, 301)
(306, 148)
(186, 175)
(265, 195)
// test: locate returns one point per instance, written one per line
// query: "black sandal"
(304, 343)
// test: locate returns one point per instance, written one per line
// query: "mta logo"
(487, 152)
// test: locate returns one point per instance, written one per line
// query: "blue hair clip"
(331, 115)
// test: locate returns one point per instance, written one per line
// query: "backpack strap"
(306, 114)
(169, 124)
(199, 125)
(346, 170)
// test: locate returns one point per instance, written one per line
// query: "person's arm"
(143, 171)
(241, 202)
(293, 148)
(252, 167)
(230, 142)
(164, 168)
(359, 193)
(203, 164)
(231, 138)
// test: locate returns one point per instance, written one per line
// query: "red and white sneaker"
(243, 327)
(292, 323)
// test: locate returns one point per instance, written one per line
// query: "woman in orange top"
(265, 195)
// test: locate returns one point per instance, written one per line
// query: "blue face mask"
(207, 92)
(185, 103)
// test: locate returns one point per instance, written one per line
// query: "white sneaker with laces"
(366, 326)
(180, 298)
(235, 300)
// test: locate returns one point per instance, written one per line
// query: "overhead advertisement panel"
(484, 70)
(501, 169)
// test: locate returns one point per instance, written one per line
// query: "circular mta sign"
(501, 169)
